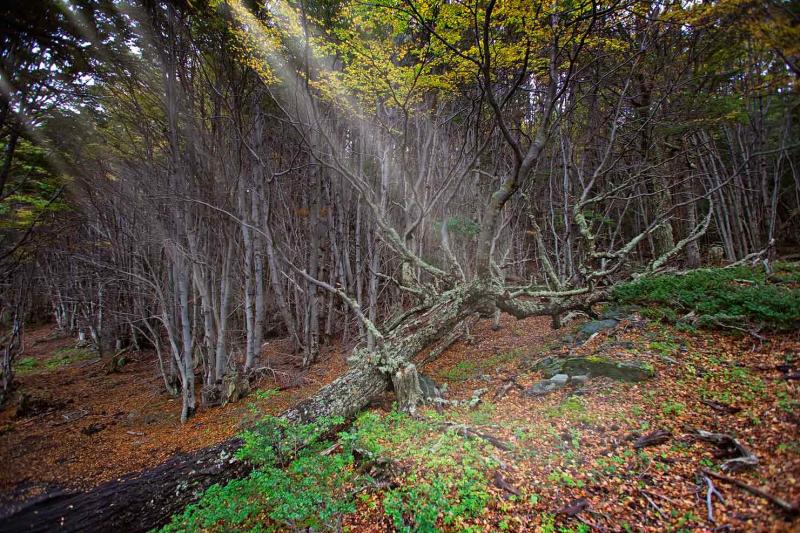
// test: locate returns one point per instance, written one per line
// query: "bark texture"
(137, 502)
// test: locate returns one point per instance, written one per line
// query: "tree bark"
(137, 502)
(406, 386)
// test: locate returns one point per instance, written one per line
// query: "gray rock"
(476, 397)
(550, 365)
(541, 388)
(580, 379)
(560, 379)
(627, 345)
(669, 360)
(611, 312)
(590, 328)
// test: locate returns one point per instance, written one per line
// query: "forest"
(400, 265)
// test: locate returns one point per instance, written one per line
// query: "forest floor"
(86, 425)
(566, 461)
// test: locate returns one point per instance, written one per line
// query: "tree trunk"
(406, 386)
(249, 280)
(136, 502)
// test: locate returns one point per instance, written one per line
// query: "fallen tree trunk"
(136, 502)
(147, 499)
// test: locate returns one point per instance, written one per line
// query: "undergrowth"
(297, 484)
(310, 491)
(60, 357)
(465, 370)
(424, 475)
(723, 297)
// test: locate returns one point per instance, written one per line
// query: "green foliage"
(750, 386)
(294, 486)
(35, 185)
(786, 402)
(573, 408)
(447, 484)
(418, 504)
(313, 491)
(672, 408)
(271, 441)
(665, 348)
(789, 447)
(67, 356)
(461, 371)
(60, 357)
(483, 414)
(463, 226)
(740, 386)
(26, 364)
(566, 479)
(720, 296)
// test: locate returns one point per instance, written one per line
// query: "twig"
(500, 394)
(655, 506)
(90, 362)
(661, 496)
(470, 432)
(791, 509)
(77, 415)
(750, 332)
(592, 525)
(721, 407)
(501, 483)
(712, 490)
(332, 449)
(654, 438)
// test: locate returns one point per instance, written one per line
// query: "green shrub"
(448, 483)
(718, 296)
(672, 408)
(312, 492)
(294, 486)
(417, 505)
(271, 440)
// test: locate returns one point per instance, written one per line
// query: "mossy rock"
(594, 365)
